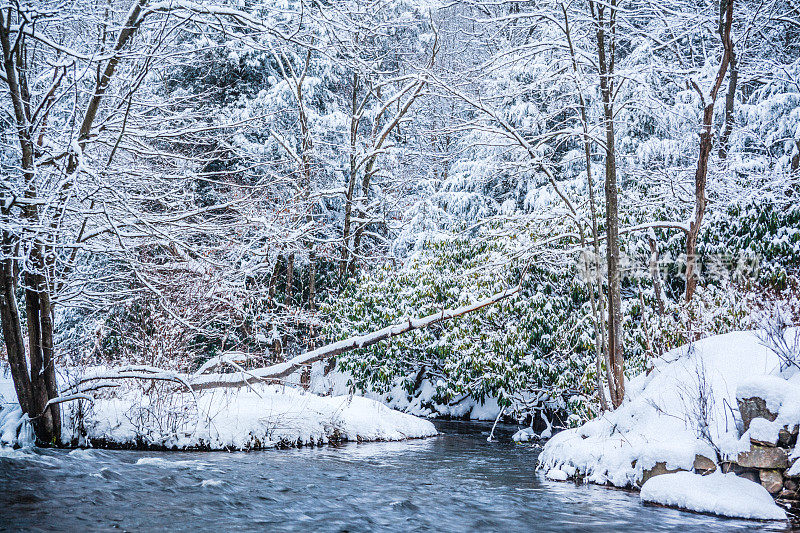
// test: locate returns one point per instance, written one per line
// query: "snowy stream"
(454, 482)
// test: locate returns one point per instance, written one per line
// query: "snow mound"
(720, 494)
(259, 417)
(555, 474)
(685, 407)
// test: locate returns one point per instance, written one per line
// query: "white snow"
(721, 494)
(762, 430)
(524, 435)
(556, 474)
(794, 471)
(773, 389)
(261, 416)
(663, 418)
(15, 430)
(420, 404)
(258, 416)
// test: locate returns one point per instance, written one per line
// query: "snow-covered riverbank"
(684, 416)
(261, 416)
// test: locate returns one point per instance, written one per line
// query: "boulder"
(764, 457)
(790, 485)
(703, 465)
(754, 407)
(787, 437)
(658, 469)
(772, 480)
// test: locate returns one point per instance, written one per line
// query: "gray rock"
(703, 465)
(772, 480)
(764, 457)
(787, 437)
(754, 407)
(658, 469)
(790, 485)
(751, 475)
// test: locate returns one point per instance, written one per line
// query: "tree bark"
(12, 327)
(33, 387)
(289, 278)
(656, 275)
(605, 53)
(730, 100)
(352, 178)
(593, 271)
(706, 143)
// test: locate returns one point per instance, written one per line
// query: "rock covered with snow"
(720, 494)
(770, 409)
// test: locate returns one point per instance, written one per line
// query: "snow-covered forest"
(488, 209)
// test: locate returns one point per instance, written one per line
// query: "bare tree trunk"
(273, 279)
(598, 311)
(353, 176)
(706, 142)
(656, 275)
(312, 283)
(730, 100)
(379, 138)
(33, 388)
(12, 327)
(40, 343)
(606, 31)
(289, 278)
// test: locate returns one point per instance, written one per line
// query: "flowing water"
(455, 482)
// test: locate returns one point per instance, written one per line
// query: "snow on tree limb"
(244, 378)
(282, 370)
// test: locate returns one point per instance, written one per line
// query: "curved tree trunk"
(706, 141)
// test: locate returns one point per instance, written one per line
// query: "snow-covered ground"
(256, 417)
(684, 408)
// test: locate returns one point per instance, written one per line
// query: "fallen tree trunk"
(282, 370)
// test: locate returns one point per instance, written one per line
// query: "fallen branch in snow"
(68, 398)
(106, 379)
(281, 370)
(243, 378)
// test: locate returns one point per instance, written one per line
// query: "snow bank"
(720, 494)
(258, 417)
(684, 408)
